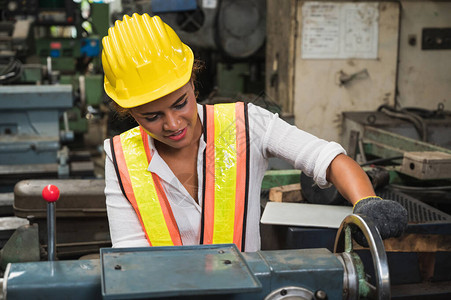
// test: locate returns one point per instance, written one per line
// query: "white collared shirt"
(269, 136)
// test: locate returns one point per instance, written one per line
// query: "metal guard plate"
(132, 273)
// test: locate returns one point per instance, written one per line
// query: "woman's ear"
(193, 86)
(131, 113)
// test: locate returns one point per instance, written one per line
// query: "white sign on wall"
(339, 30)
(209, 3)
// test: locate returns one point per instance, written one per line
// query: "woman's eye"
(181, 105)
(151, 118)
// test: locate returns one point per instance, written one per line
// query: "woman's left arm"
(349, 179)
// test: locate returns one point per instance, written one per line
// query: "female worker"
(191, 174)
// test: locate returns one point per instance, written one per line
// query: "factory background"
(374, 76)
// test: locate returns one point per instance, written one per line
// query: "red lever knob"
(50, 193)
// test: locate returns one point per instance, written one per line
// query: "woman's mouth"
(178, 135)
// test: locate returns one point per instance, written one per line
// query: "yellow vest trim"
(144, 191)
(225, 173)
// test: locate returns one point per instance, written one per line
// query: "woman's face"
(172, 119)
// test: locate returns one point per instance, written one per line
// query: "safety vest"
(225, 179)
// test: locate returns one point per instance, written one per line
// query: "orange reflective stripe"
(167, 212)
(241, 151)
(164, 202)
(145, 139)
(209, 177)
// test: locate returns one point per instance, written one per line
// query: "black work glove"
(388, 216)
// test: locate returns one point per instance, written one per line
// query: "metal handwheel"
(355, 284)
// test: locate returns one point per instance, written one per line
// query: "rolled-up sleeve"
(303, 150)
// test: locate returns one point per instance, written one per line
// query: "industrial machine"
(407, 155)
(51, 88)
(204, 272)
(30, 128)
(281, 272)
(413, 146)
(80, 217)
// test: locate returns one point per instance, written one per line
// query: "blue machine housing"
(205, 271)
(29, 122)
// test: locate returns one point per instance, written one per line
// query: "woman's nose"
(171, 122)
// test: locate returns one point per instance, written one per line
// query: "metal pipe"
(51, 231)
(51, 193)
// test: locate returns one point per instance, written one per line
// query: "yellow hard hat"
(143, 60)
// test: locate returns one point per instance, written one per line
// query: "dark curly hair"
(123, 112)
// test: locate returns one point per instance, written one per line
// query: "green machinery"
(51, 42)
(418, 157)
(50, 52)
